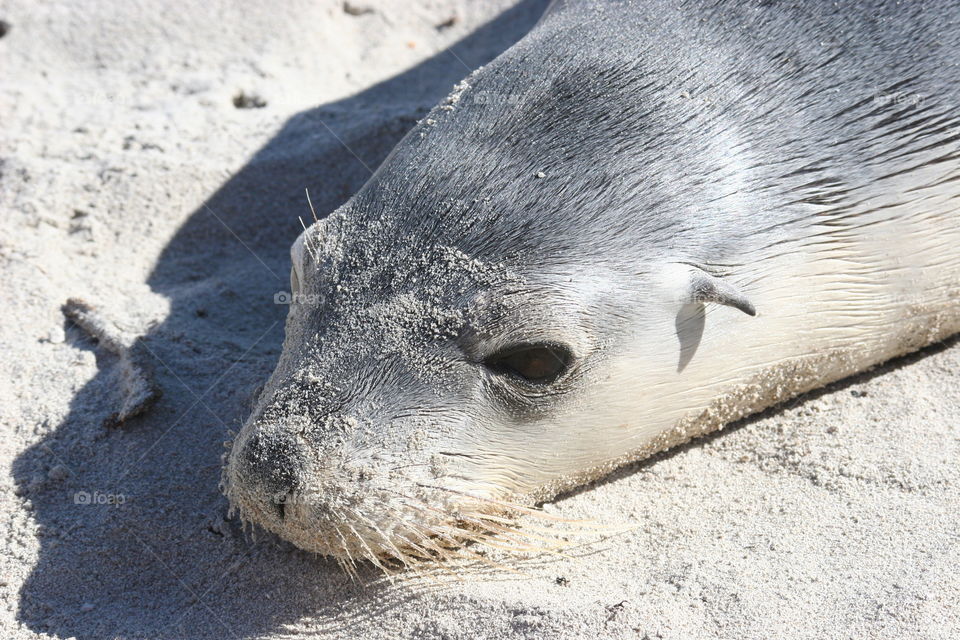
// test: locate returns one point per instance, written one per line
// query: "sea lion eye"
(534, 363)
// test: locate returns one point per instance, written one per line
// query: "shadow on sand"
(136, 530)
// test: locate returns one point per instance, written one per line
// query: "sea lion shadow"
(131, 523)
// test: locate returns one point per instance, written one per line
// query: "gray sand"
(128, 177)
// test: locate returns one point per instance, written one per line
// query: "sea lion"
(641, 222)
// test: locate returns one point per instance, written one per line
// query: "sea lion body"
(619, 191)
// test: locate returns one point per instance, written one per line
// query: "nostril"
(272, 461)
(280, 501)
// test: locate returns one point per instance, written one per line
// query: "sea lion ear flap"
(707, 288)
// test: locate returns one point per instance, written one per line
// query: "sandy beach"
(153, 161)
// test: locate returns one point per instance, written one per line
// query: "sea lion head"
(422, 391)
(415, 385)
(479, 326)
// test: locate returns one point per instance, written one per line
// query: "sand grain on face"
(833, 518)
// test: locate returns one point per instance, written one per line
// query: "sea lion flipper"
(708, 288)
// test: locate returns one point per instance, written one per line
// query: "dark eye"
(535, 363)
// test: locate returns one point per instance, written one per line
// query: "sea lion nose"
(270, 465)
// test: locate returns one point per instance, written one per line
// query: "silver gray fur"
(538, 203)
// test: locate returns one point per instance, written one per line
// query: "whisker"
(310, 202)
(553, 542)
(458, 535)
(399, 555)
(512, 506)
(346, 549)
(310, 250)
(370, 555)
(461, 550)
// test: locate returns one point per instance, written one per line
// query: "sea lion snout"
(264, 471)
(299, 475)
